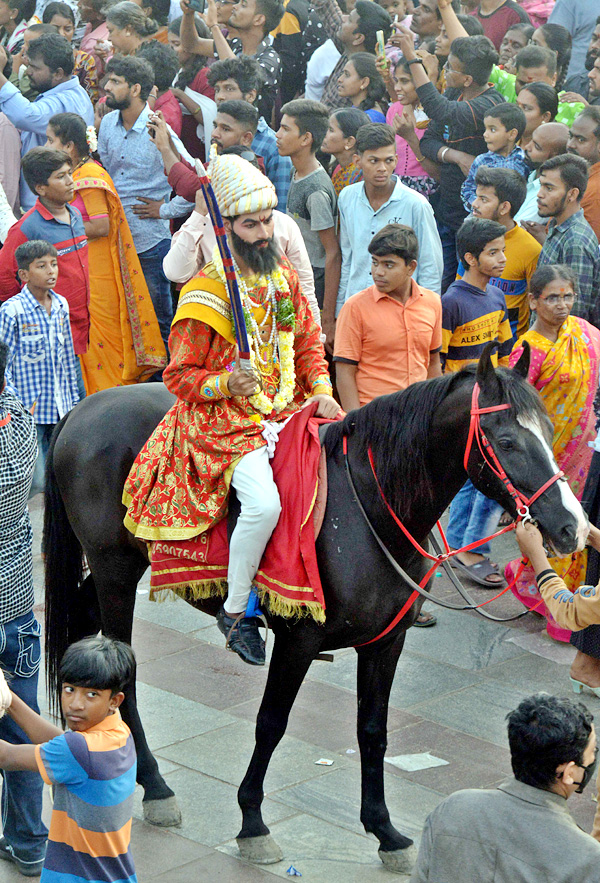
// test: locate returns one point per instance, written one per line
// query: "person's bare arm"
(404, 125)
(17, 757)
(163, 142)
(95, 228)
(435, 365)
(190, 41)
(454, 29)
(345, 380)
(33, 724)
(333, 267)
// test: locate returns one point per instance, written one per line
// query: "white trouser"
(259, 498)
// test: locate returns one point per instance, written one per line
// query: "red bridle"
(487, 452)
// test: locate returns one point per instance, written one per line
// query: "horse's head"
(521, 438)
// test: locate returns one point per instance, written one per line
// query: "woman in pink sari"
(565, 359)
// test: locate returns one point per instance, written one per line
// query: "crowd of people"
(401, 183)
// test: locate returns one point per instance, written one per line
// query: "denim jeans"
(472, 517)
(448, 238)
(159, 286)
(22, 824)
(80, 383)
(44, 434)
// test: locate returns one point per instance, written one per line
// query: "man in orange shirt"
(584, 141)
(389, 335)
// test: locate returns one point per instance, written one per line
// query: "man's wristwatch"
(416, 61)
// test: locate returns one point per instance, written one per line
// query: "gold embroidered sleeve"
(185, 375)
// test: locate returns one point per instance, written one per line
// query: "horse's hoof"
(259, 850)
(400, 861)
(163, 813)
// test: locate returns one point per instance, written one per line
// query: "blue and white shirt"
(41, 363)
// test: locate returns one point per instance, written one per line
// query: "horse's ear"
(486, 373)
(522, 365)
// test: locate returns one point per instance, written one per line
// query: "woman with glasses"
(565, 357)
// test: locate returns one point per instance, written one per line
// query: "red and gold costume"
(178, 486)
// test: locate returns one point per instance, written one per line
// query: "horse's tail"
(64, 572)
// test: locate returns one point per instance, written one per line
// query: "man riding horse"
(223, 428)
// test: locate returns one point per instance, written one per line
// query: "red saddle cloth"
(288, 576)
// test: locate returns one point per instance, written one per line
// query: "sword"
(239, 321)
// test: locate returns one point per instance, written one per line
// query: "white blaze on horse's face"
(570, 501)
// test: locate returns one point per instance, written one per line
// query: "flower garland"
(91, 138)
(283, 320)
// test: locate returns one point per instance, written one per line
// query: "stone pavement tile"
(336, 798)
(473, 763)
(210, 813)
(169, 718)
(174, 614)
(159, 850)
(324, 853)
(481, 643)
(207, 674)
(216, 867)
(225, 755)
(532, 673)
(151, 641)
(326, 713)
(479, 710)
(417, 679)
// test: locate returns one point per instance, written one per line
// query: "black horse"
(418, 440)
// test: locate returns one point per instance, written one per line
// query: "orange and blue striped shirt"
(93, 774)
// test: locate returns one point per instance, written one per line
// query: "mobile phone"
(198, 5)
(380, 45)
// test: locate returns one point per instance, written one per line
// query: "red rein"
(490, 458)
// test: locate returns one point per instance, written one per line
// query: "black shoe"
(26, 868)
(242, 637)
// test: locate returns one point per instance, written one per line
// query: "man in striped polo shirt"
(92, 766)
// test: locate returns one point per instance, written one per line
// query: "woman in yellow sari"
(125, 344)
(565, 357)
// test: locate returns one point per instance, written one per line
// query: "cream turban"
(240, 188)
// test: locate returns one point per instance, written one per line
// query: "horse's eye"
(505, 444)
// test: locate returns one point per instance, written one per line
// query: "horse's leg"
(294, 650)
(376, 669)
(116, 575)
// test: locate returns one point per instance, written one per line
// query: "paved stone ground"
(454, 686)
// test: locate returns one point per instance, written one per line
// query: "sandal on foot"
(479, 572)
(425, 620)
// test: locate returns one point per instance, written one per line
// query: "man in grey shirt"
(579, 18)
(522, 830)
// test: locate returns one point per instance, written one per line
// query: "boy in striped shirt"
(92, 766)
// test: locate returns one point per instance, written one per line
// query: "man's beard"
(117, 105)
(557, 211)
(259, 260)
(590, 60)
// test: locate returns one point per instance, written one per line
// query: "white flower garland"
(91, 138)
(282, 341)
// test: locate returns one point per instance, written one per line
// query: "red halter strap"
(490, 458)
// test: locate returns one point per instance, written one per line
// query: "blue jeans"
(44, 434)
(472, 517)
(448, 238)
(22, 824)
(159, 286)
(80, 383)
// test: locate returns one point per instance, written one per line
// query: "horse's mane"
(397, 428)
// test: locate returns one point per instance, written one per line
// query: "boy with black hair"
(380, 199)
(42, 364)
(455, 134)
(92, 767)
(473, 314)
(165, 64)
(48, 173)
(499, 195)
(504, 126)
(312, 200)
(389, 335)
(241, 79)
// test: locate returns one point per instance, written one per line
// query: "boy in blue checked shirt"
(504, 126)
(35, 326)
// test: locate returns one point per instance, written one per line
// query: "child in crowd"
(340, 142)
(92, 766)
(504, 126)
(35, 326)
(474, 313)
(409, 121)
(311, 199)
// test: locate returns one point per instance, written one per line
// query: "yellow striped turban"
(240, 188)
